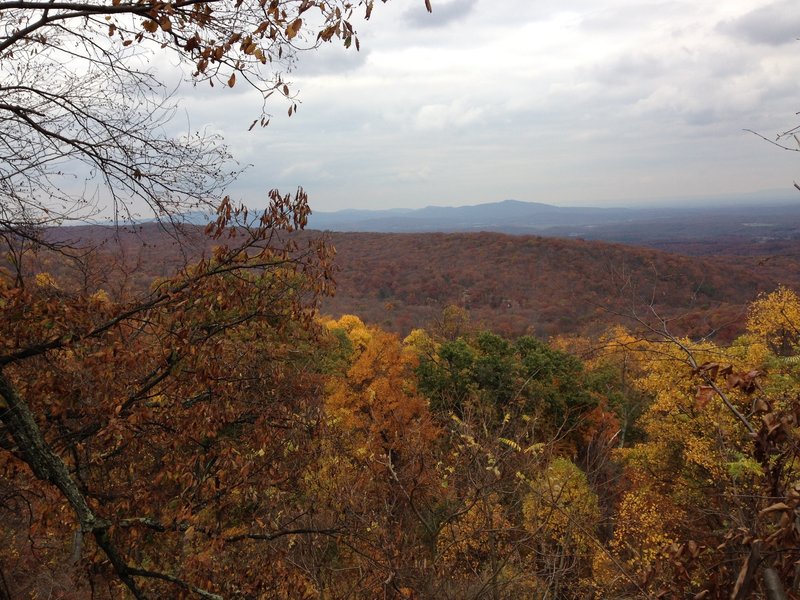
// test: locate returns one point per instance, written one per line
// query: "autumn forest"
(225, 437)
(250, 409)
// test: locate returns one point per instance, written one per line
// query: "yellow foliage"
(696, 452)
(348, 323)
(572, 344)
(703, 451)
(645, 458)
(464, 545)
(676, 412)
(619, 340)
(100, 297)
(45, 280)
(454, 322)
(751, 349)
(617, 346)
(562, 508)
(377, 399)
(358, 333)
(420, 343)
(642, 526)
(337, 480)
(775, 317)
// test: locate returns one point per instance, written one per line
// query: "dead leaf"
(704, 395)
(774, 507)
(294, 28)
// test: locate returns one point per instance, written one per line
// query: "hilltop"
(512, 284)
(515, 284)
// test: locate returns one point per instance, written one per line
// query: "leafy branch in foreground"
(87, 125)
(171, 409)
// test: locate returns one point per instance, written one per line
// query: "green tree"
(489, 374)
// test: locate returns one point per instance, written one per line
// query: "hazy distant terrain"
(698, 266)
(666, 227)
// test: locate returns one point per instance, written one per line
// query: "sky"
(568, 102)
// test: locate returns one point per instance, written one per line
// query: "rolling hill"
(510, 283)
(518, 284)
(681, 222)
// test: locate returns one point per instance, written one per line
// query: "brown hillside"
(512, 284)
(520, 283)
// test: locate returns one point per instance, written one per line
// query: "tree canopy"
(134, 423)
(212, 435)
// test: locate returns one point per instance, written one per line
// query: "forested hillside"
(510, 284)
(215, 437)
(248, 410)
(518, 284)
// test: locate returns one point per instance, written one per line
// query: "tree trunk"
(773, 584)
(47, 466)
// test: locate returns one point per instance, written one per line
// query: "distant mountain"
(757, 221)
(494, 216)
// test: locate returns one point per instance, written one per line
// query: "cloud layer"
(568, 102)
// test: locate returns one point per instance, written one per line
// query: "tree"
(487, 374)
(380, 464)
(710, 503)
(563, 511)
(85, 122)
(774, 319)
(152, 441)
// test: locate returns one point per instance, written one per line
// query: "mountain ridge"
(490, 216)
(638, 226)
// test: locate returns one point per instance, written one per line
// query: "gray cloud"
(775, 24)
(443, 13)
(630, 68)
(330, 59)
(566, 101)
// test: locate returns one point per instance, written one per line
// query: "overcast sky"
(570, 102)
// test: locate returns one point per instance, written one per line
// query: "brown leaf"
(428, 5)
(740, 580)
(750, 384)
(704, 395)
(294, 28)
(774, 507)
(232, 80)
(733, 380)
